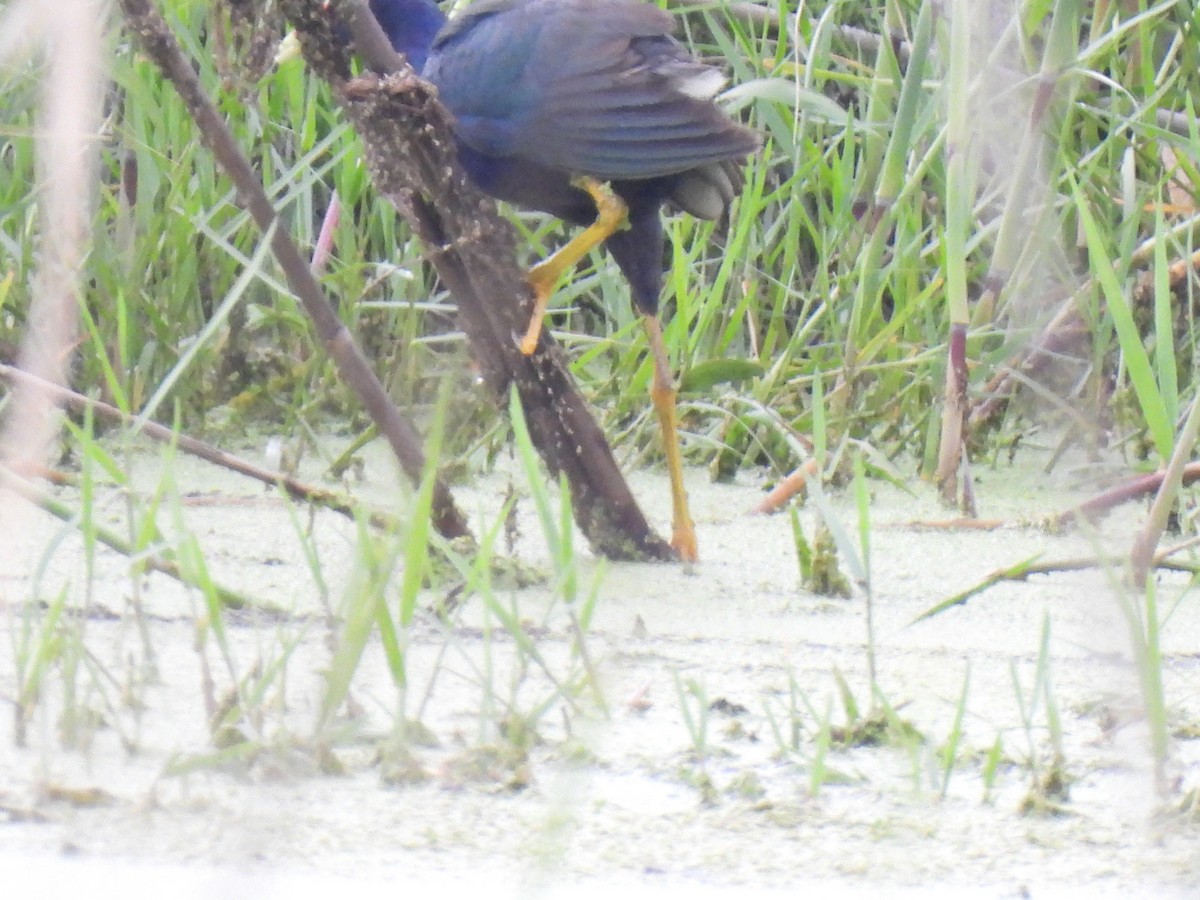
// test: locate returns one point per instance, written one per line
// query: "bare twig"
(787, 488)
(1022, 570)
(160, 45)
(1132, 489)
(1164, 501)
(959, 524)
(295, 488)
(765, 17)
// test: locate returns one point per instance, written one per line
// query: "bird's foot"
(683, 539)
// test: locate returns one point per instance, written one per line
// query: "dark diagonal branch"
(411, 155)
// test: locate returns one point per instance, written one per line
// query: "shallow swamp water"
(697, 747)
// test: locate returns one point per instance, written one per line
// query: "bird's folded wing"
(593, 87)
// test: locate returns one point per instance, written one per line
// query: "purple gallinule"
(588, 110)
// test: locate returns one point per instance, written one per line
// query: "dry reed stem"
(68, 128)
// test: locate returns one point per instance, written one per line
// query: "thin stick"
(296, 489)
(786, 489)
(758, 16)
(157, 41)
(1022, 570)
(1164, 500)
(1131, 489)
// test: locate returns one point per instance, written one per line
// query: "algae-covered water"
(702, 758)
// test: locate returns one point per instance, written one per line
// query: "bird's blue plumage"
(542, 91)
(410, 26)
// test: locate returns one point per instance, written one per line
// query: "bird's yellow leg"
(662, 393)
(542, 278)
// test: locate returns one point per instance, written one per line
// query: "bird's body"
(588, 110)
(545, 91)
